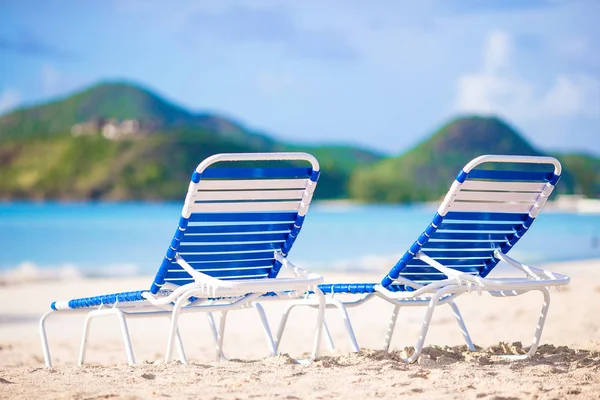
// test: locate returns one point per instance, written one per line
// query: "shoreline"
(571, 203)
(28, 272)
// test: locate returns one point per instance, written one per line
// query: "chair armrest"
(198, 276)
(298, 272)
(449, 272)
(210, 286)
(530, 272)
(534, 278)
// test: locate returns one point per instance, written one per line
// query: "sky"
(380, 74)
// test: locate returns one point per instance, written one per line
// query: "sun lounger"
(241, 216)
(483, 216)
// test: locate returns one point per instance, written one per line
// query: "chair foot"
(328, 337)
(461, 324)
(282, 324)
(174, 327)
(219, 349)
(124, 333)
(426, 322)
(45, 347)
(391, 328)
(538, 330)
(180, 349)
(320, 321)
(347, 324)
(537, 336)
(267, 330)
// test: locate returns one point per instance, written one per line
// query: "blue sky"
(383, 74)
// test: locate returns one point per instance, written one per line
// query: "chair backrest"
(236, 217)
(485, 210)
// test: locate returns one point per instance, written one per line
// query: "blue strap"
(202, 229)
(485, 216)
(357, 288)
(510, 175)
(221, 248)
(258, 173)
(107, 299)
(226, 238)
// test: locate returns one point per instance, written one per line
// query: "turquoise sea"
(99, 239)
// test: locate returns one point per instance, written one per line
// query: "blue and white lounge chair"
(482, 217)
(237, 226)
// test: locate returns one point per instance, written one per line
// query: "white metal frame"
(442, 292)
(226, 295)
(445, 291)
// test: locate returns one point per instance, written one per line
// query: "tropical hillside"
(120, 141)
(426, 171)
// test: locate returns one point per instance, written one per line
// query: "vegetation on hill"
(119, 141)
(586, 169)
(426, 171)
(119, 101)
(41, 159)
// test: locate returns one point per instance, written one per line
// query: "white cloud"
(572, 95)
(498, 88)
(9, 99)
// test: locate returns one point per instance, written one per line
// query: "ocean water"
(103, 239)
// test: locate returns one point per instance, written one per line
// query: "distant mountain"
(586, 168)
(337, 163)
(119, 101)
(122, 141)
(426, 171)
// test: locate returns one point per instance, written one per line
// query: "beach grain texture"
(567, 364)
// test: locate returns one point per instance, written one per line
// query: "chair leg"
(347, 324)
(174, 328)
(328, 337)
(126, 338)
(265, 324)
(320, 320)
(391, 328)
(84, 339)
(213, 325)
(180, 350)
(124, 333)
(282, 323)
(219, 353)
(461, 325)
(426, 321)
(215, 332)
(45, 347)
(541, 321)
(538, 329)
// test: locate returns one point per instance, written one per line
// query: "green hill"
(120, 101)
(41, 159)
(587, 170)
(121, 141)
(425, 172)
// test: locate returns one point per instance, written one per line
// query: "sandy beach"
(567, 364)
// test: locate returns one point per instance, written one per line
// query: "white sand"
(567, 364)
